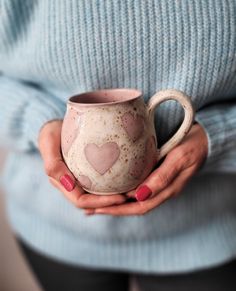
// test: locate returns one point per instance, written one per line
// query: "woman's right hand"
(60, 176)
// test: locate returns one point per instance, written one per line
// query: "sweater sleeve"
(23, 111)
(219, 123)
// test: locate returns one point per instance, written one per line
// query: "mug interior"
(106, 96)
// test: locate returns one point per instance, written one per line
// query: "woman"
(51, 50)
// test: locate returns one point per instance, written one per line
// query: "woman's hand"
(166, 181)
(59, 175)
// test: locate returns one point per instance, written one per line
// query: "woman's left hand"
(166, 181)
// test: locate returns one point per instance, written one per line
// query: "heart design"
(70, 129)
(85, 181)
(102, 158)
(133, 125)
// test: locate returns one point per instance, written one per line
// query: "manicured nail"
(143, 193)
(67, 182)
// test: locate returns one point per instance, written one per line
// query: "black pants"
(56, 276)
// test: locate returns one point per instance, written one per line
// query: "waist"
(205, 197)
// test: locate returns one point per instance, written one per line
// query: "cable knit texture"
(50, 50)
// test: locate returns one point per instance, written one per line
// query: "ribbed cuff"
(42, 112)
(215, 129)
(26, 108)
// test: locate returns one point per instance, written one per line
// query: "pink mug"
(109, 140)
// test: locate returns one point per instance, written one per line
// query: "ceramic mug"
(109, 140)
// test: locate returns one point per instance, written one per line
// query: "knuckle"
(143, 210)
(74, 202)
(85, 201)
(183, 159)
(189, 160)
(80, 202)
(49, 169)
(179, 152)
(52, 168)
(162, 179)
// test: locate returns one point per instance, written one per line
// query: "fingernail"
(143, 193)
(67, 182)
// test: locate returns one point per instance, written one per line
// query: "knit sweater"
(50, 50)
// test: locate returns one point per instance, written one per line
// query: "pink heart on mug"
(102, 158)
(70, 129)
(133, 125)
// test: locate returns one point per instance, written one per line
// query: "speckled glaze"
(109, 141)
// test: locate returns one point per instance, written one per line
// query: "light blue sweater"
(50, 50)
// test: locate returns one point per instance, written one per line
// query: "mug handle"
(185, 101)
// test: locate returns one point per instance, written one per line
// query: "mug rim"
(137, 93)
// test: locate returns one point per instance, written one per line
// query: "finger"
(172, 190)
(72, 196)
(98, 201)
(162, 177)
(50, 149)
(50, 140)
(117, 200)
(86, 200)
(143, 207)
(58, 173)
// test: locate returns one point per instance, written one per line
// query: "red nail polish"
(67, 182)
(143, 193)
